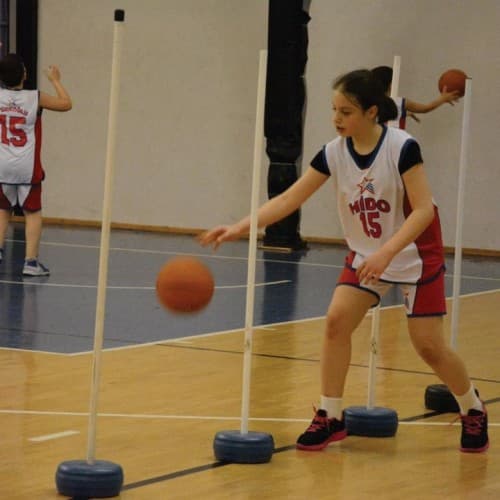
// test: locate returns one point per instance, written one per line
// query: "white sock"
(333, 407)
(468, 401)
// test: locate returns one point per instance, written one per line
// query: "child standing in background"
(21, 172)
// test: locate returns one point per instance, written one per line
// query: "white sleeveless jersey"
(20, 137)
(373, 205)
(400, 120)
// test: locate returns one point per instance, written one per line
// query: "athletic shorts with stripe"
(420, 299)
(27, 196)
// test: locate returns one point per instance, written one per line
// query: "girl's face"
(349, 119)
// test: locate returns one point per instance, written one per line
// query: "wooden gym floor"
(170, 383)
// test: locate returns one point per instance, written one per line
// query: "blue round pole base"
(238, 448)
(371, 422)
(439, 398)
(80, 480)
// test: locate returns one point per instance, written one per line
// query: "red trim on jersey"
(402, 118)
(38, 173)
(349, 259)
(429, 245)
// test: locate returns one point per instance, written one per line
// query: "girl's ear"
(372, 112)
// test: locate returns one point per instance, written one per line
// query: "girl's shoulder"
(397, 132)
(398, 136)
(335, 143)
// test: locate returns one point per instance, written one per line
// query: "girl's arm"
(417, 107)
(59, 102)
(271, 211)
(420, 198)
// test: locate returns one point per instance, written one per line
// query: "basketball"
(453, 80)
(184, 285)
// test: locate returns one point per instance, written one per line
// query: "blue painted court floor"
(57, 313)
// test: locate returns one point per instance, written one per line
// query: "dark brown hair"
(367, 90)
(11, 70)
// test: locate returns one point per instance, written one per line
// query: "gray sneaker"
(34, 268)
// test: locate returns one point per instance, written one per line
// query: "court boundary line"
(258, 327)
(220, 257)
(222, 332)
(111, 287)
(145, 416)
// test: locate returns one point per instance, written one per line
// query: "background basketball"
(184, 284)
(453, 79)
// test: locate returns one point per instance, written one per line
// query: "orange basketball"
(184, 285)
(453, 79)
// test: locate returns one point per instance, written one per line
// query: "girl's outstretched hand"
(218, 235)
(450, 97)
(52, 73)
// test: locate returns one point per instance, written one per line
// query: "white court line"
(202, 335)
(146, 416)
(270, 326)
(222, 257)
(33, 350)
(34, 283)
(199, 255)
(56, 435)
(213, 334)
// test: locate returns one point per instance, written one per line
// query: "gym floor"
(170, 382)
(57, 313)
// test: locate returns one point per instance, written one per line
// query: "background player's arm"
(62, 100)
(445, 97)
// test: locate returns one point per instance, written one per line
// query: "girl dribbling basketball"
(392, 229)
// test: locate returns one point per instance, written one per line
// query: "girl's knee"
(432, 353)
(334, 327)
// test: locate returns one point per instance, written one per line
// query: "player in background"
(21, 172)
(405, 106)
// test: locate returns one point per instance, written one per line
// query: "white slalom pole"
(372, 363)
(375, 329)
(252, 245)
(396, 70)
(457, 266)
(105, 232)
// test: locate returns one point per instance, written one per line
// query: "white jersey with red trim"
(20, 137)
(400, 120)
(373, 205)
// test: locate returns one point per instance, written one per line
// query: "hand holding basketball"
(452, 82)
(184, 285)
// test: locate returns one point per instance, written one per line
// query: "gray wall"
(188, 98)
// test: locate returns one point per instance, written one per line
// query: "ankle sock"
(468, 401)
(333, 406)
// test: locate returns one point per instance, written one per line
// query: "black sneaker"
(321, 432)
(474, 431)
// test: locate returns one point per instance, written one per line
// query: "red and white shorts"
(420, 299)
(28, 197)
